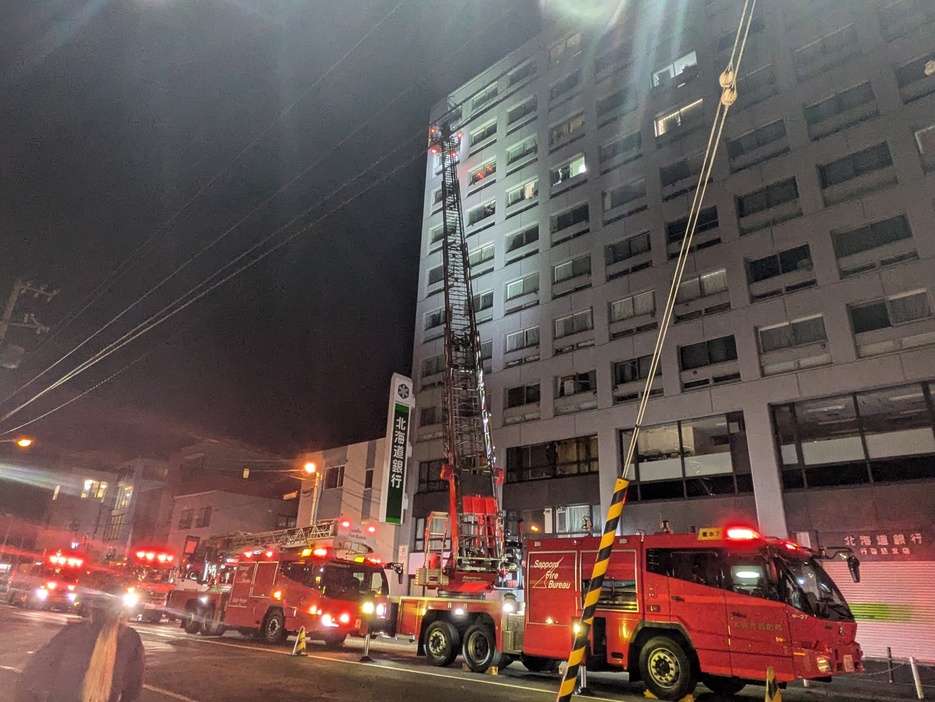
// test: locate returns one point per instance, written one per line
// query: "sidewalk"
(873, 683)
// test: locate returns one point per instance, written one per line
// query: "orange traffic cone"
(299, 648)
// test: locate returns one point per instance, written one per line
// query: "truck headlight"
(381, 610)
(367, 608)
(42, 593)
(130, 599)
(71, 596)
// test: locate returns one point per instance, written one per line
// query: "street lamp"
(22, 442)
(309, 468)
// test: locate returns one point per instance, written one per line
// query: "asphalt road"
(231, 668)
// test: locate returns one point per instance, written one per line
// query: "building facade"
(137, 501)
(349, 482)
(794, 388)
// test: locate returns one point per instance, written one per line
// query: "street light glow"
(25, 442)
(309, 468)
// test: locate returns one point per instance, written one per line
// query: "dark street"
(196, 669)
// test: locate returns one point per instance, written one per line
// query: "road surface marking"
(387, 664)
(168, 693)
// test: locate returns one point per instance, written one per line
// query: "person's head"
(107, 604)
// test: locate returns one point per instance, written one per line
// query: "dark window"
(523, 72)
(185, 518)
(564, 86)
(612, 103)
(368, 479)
(567, 457)
(518, 241)
(870, 236)
(838, 103)
(707, 353)
(576, 383)
(707, 219)
(674, 172)
(570, 218)
(631, 143)
(522, 395)
(204, 517)
(622, 194)
(622, 250)
(751, 141)
(634, 369)
(726, 41)
(702, 567)
(855, 165)
(334, 478)
(430, 479)
(767, 198)
(786, 261)
(285, 521)
(436, 275)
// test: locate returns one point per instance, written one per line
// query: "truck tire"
(723, 686)
(274, 628)
(441, 643)
(666, 669)
(480, 648)
(536, 664)
(334, 640)
(191, 622)
(209, 627)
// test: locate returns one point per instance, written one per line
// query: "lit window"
(676, 71)
(484, 172)
(94, 489)
(484, 96)
(573, 168)
(124, 495)
(481, 255)
(576, 383)
(482, 212)
(673, 120)
(527, 191)
(571, 269)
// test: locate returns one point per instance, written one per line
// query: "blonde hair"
(99, 679)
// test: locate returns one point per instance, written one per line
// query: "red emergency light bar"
(155, 557)
(70, 561)
(742, 534)
(320, 552)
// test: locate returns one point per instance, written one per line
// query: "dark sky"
(114, 114)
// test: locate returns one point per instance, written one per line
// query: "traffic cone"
(299, 648)
(772, 689)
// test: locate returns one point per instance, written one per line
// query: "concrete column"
(609, 459)
(767, 487)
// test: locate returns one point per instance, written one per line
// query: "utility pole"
(10, 357)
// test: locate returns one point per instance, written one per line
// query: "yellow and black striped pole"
(569, 679)
(772, 688)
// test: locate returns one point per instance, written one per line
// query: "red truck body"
(719, 606)
(50, 583)
(329, 592)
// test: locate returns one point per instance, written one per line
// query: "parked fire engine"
(718, 607)
(49, 583)
(149, 573)
(324, 578)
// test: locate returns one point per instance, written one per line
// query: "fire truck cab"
(324, 579)
(717, 607)
(150, 573)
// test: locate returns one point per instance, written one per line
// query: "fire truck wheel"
(334, 640)
(480, 648)
(274, 628)
(191, 622)
(535, 664)
(666, 669)
(723, 686)
(441, 643)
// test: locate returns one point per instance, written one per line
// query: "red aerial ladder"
(474, 521)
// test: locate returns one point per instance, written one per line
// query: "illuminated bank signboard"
(398, 421)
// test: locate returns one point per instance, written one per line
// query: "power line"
(145, 326)
(129, 262)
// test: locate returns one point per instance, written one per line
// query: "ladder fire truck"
(719, 606)
(324, 578)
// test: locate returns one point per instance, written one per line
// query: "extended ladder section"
(280, 539)
(476, 523)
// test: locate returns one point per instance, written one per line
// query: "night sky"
(113, 115)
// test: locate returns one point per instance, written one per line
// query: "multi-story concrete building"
(138, 498)
(794, 387)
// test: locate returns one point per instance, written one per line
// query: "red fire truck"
(50, 582)
(324, 578)
(149, 573)
(718, 607)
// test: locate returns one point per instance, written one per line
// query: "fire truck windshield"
(151, 574)
(65, 575)
(351, 581)
(810, 589)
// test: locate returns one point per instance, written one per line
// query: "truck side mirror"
(853, 565)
